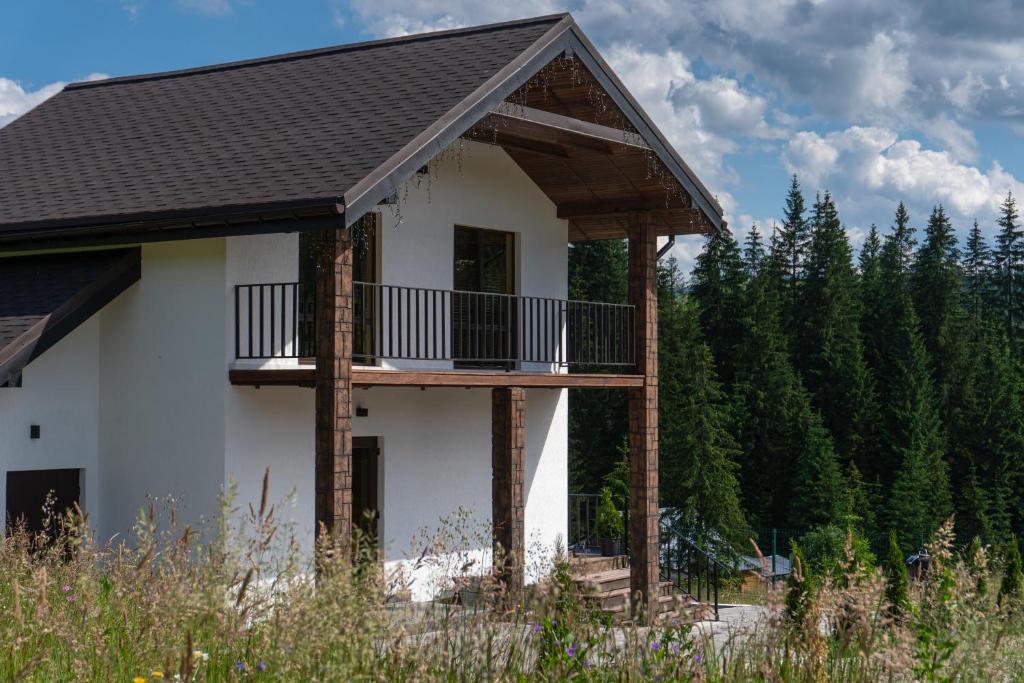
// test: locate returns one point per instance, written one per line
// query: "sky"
(877, 101)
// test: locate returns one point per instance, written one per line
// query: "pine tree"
(977, 270)
(896, 579)
(1009, 271)
(829, 349)
(777, 427)
(697, 453)
(902, 239)
(753, 252)
(911, 441)
(717, 285)
(789, 245)
(936, 288)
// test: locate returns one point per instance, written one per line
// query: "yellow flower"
(157, 674)
(138, 679)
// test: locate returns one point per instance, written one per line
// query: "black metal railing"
(277, 320)
(689, 567)
(583, 538)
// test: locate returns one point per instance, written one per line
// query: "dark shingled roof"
(43, 298)
(298, 129)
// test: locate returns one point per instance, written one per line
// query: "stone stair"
(604, 583)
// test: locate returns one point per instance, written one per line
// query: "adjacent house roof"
(43, 298)
(316, 133)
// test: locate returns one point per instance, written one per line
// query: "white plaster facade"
(138, 396)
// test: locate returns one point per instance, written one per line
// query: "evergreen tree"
(777, 427)
(1009, 271)
(829, 349)
(936, 289)
(697, 453)
(977, 271)
(717, 285)
(789, 246)
(753, 252)
(896, 579)
(911, 442)
(902, 239)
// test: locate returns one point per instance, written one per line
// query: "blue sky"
(876, 100)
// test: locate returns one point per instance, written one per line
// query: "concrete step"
(582, 565)
(604, 581)
(622, 596)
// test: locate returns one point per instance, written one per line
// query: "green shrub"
(609, 520)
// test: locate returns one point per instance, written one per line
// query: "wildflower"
(674, 648)
(138, 679)
(199, 655)
(571, 650)
(697, 659)
(239, 666)
(72, 598)
(537, 628)
(261, 665)
(66, 588)
(157, 674)
(655, 646)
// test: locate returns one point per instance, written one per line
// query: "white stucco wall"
(139, 396)
(59, 392)
(162, 387)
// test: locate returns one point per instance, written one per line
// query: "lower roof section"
(377, 377)
(45, 297)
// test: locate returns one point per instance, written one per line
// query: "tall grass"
(244, 604)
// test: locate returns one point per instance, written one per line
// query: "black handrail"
(688, 566)
(277, 320)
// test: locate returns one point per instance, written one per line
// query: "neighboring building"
(163, 316)
(757, 573)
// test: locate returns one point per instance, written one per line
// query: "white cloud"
(864, 161)
(958, 140)
(15, 100)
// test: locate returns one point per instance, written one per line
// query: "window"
(483, 313)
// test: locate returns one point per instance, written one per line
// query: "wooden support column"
(334, 386)
(508, 430)
(643, 415)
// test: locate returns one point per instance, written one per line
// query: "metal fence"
(277, 320)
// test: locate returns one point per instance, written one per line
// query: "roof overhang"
(490, 100)
(44, 297)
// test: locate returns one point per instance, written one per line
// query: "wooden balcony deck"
(366, 377)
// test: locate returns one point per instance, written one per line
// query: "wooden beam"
(529, 145)
(625, 206)
(643, 418)
(508, 465)
(333, 373)
(365, 377)
(583, 133)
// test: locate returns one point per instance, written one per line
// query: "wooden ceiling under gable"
(568, 136)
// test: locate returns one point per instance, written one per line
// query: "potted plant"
(609, 527)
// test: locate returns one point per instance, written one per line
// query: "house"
(348, 265)
(756, 573)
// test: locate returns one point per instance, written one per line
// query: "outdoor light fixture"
(362, 412)
(33, 432)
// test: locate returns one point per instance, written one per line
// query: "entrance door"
(365, 464)
(27, 491)
(483, 313)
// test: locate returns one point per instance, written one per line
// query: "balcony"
(440, 329)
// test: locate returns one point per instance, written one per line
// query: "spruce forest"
(808, 387)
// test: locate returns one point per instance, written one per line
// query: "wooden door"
(365, 467)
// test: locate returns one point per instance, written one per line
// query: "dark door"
(27, 491)
(365, 461)
(483, 312)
